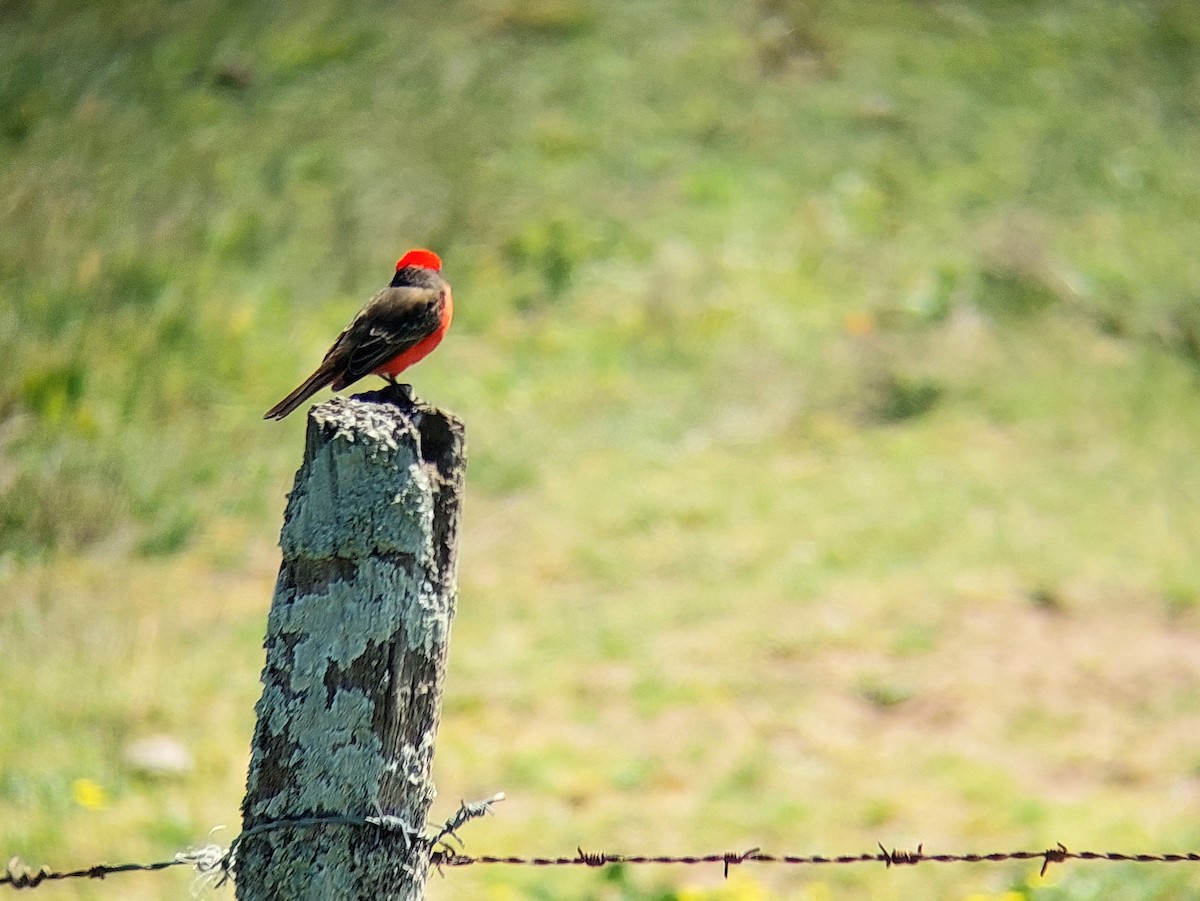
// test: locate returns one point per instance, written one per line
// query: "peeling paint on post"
(356, 651)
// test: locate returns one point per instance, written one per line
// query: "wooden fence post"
(356, 650)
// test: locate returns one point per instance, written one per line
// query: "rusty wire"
(447, 857)
(18, 876)
(216, 863)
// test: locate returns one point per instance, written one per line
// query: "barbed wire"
(1059, 854)
(17, 875)
(217, 864)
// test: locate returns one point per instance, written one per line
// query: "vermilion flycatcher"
(398, 327)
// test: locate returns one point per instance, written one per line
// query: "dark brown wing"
(394, 320)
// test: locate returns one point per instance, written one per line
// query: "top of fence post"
(355, 655)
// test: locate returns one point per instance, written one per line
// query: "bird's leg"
(404, 389)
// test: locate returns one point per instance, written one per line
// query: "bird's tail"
(310, 386)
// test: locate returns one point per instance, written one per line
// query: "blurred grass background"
(830, 372)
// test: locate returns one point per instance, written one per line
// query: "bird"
(396, 328)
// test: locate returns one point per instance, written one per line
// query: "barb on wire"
(895, 857)
(734, 858)
(467, 811)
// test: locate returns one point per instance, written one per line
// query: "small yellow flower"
(88, 794)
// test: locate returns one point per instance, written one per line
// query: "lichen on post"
(356, 649)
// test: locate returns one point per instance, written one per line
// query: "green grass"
(830, 372)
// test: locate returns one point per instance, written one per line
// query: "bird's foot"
(398, 389)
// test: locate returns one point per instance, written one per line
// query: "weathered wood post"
(356, 650)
